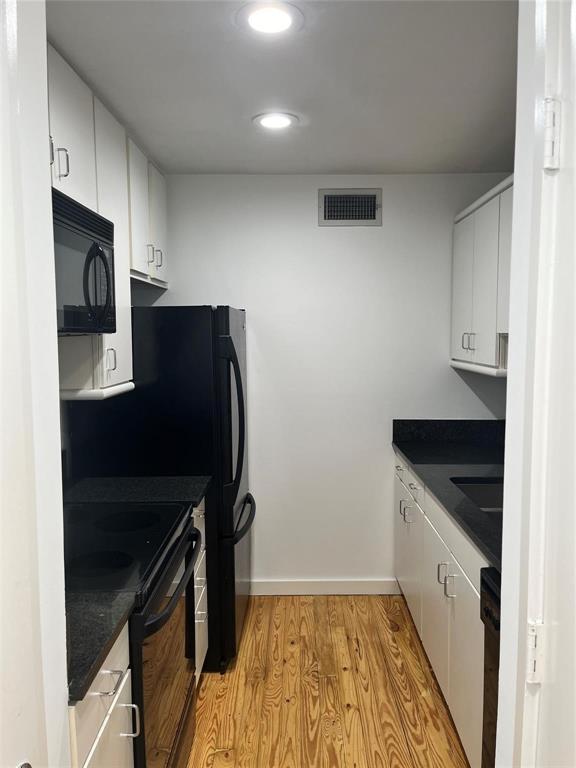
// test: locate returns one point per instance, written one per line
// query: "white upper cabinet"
(112, 175)
(504, 253)
(462, 287)
(483, 341)
(158, 223)
(481, 282)
(71, 112)
(142, 251)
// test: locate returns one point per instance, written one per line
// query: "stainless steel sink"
(486, 492)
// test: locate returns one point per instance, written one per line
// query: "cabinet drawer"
(201, 632)
(400, 467)
(87, 716)
(456, 540)
(113, 747)
(414, 486)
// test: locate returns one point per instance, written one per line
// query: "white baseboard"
(326, 587)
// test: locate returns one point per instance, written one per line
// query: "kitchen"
(262, 287)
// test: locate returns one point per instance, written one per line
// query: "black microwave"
(84, 255)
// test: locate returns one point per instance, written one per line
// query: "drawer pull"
(413, 487)
(136, 710)
(399, 468)
(120, 673)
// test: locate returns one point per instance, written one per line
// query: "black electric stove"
(119, 546)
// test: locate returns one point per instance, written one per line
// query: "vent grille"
(350, 207)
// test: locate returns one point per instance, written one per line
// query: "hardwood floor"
(326, 682)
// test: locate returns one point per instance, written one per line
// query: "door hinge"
(535, 660)
(552, 134)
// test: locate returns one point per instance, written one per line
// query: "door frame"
(539, 442)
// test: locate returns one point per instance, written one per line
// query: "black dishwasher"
(490, 614)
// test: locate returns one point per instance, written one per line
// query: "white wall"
(348, 328)
(33, 680)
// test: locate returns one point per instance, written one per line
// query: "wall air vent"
(350, 207)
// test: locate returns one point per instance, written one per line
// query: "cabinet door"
(158, 224)
(466, 693)
(504, 253)
(71, 112)
(112, 175)
(113, 747)
(485, 295)
(401, 558)
(435, 606)
(141, 250)
(409, 555)
(462, 276)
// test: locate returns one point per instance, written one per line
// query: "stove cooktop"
(117, 547)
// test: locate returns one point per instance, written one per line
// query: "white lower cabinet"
(200, 594)
(465, 694)
(113, 747)
(435, 605)
(444, 603)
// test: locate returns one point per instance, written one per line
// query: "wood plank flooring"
(326, 682)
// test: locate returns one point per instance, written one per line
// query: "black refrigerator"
(186, 416)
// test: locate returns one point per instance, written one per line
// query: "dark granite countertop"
(94, 618)
(190, 490)
(474, 452)
(93, 622)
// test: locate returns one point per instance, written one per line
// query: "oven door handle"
(157, 621)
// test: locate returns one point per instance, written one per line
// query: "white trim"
(147, 280)
(326, 587)
(497, 190)
(485, 370)
(96, 394)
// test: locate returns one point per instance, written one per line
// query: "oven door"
(163, 667)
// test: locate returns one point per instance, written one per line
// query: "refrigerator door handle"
(228, 352)
(240, 533)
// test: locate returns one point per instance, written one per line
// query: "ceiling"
(398, 86)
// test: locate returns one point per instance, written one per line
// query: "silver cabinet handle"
(51, 151)
(439, 578)
(119, 673)
(462, 341)
(446, 593)
(136, 710)
(399, 468)
(67, 156)
(400, 509)
(408, 506)
(150, 251)
(115, 365)
(413, 487)
(472, 348)
(159, 253)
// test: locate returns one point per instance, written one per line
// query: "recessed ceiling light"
(270, 19)
(275, 121)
